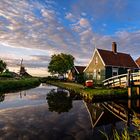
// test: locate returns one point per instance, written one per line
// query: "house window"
(114, 71)
(96, 60)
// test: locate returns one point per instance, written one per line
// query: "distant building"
(138, 62)
(105, 64)
(22, 71)
(72, 74)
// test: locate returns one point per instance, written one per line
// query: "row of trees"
(2, 66)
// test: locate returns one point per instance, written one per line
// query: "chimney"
(114, 47)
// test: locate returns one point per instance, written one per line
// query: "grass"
(91, 93)
(20, 84)
(124, 135)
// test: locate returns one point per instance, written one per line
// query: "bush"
(80, 78)
(7, 75)
(13, 85)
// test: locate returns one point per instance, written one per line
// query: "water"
(27, 115)
(50, 113)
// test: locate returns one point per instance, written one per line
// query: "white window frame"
(114, 70)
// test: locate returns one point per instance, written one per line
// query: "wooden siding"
(108, 72)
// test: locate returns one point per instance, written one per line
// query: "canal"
(50, 113)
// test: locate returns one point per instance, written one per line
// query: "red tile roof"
(80, 69)
(138, 61)
(117, 59)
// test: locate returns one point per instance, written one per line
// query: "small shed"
(76, 70)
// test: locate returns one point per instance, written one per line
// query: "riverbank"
(18, 84)
(95, 94)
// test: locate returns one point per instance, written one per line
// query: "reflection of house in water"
(98, 115)
(110, 116)
(128, 112)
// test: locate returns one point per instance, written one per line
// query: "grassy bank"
(92, 93)
(21, 84)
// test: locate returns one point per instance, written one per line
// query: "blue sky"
(36, 29)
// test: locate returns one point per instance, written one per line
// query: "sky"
(33, 30)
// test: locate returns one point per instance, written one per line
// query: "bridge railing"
(121, 80)
(115, 80)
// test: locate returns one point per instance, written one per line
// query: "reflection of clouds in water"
(38, 123)
(31, 94)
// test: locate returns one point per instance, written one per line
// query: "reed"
(124, 135)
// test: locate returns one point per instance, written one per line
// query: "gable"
(92, 64)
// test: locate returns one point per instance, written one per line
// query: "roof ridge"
(112, 51)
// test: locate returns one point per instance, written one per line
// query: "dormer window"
(96, 60)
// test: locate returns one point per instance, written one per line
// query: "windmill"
(22, 70)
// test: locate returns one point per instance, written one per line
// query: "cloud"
(36, 29)
(70, 17)
(83, 22)
(101, 9)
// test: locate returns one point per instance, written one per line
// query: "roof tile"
(117, 59)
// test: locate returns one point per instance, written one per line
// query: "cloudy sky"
(36, 29)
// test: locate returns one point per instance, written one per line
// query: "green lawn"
(91, 93)
(20, 84)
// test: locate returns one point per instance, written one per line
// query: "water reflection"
(27, 116)
(59, 101)
(2, 97)
(117, 115)
(37, 114)
(22, 94)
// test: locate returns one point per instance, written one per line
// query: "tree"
(61, 63)
(2, 65)
(80, 78)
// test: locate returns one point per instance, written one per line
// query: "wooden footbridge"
(128, 80)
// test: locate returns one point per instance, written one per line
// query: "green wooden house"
(105, 64)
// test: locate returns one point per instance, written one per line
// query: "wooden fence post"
(138, 91)
(129, 83)
(129, 103)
